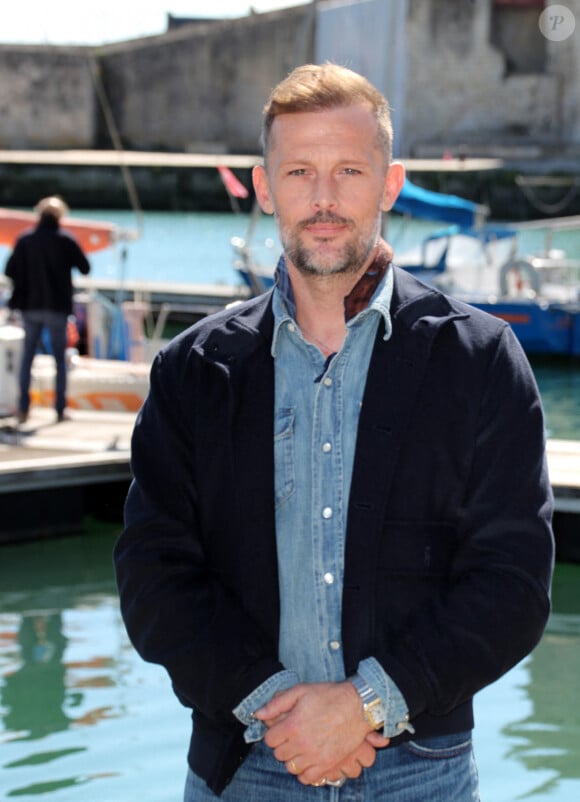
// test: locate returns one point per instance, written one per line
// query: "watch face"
(373, 708)
(374, 713)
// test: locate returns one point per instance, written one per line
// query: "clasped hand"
(318, 730)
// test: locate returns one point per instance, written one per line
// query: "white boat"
(92, 384)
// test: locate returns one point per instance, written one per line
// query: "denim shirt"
(317, 404)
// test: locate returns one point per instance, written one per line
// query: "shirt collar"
(373, 290)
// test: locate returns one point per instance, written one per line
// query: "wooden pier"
(53, 474)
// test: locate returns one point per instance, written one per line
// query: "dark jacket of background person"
(449, 549)
(40, 268)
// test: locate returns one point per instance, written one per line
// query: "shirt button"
(291, 327)
(327, 512)
(328, 381)
(329, 578)
(334, 645)
(326, 447)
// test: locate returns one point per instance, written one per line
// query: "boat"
(92, 384)
(113, 374)
(118, 326)
(91, 235)
(481, 263)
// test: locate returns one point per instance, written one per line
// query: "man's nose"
(324, 193)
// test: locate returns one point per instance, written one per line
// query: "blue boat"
(479, 262)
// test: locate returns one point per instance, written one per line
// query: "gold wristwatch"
(373, 708)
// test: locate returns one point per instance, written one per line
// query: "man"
(339, 525)
(40, 268)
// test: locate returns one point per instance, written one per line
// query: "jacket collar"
(416, 303)
(236, 332)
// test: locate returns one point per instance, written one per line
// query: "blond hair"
(53, 206)
(315, 87)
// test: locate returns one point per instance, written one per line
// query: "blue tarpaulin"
(428, 205)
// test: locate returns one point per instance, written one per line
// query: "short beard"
(347, 262)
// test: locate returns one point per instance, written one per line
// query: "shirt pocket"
(284, 454)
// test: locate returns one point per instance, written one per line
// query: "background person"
(339, 528)
(40, 269)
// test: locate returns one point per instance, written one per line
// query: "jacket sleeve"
(14, 261)
(77, 258)
(177, 609)
(494, 606)
(14, 271)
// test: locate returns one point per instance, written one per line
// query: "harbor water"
(84, 719)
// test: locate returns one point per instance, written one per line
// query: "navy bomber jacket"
(449, 549)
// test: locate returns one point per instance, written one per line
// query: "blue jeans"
(440, 769)
(34, 323)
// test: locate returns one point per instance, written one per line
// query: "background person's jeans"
(438, 769)
(34, 323)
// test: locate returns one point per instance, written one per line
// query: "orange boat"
(91, 235)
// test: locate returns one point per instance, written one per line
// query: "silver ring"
(336, 783)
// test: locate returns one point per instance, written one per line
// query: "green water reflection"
(34, 694)
(50, 660)
(559, 383)
(82, 717)
(548, 739)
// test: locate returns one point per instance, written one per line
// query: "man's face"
(327, 182)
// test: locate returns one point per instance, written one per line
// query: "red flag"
(233, 186)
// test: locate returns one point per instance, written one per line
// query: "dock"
(54, 474)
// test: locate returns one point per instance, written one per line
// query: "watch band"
(373, 708)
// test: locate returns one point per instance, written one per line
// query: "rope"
(543, 206)
(116, 140)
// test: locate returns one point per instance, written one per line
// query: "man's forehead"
(340, 109)
(329, 132)
(293, 123)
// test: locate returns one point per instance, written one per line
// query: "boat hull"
(91, 235)
(542, 329)
(92, 384)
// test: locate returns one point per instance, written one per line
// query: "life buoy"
(526, 278)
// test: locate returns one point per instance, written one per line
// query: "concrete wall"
(460, 88)
(46, 98)
(563, 60)
(202, 88)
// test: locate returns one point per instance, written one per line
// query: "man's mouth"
(325, 225)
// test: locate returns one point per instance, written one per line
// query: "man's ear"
(262, 189)
(394, 180)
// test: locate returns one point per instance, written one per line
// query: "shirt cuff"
(244, 712)
(395, 707)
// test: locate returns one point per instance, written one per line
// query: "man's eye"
(298, 171)
(351, 171)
